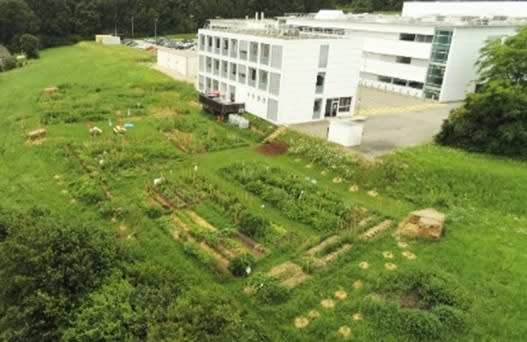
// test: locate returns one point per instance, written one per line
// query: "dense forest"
(58, 22)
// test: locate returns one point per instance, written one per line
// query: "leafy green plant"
(239, 264)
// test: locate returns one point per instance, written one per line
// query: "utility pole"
(133, 27)
(155, 29)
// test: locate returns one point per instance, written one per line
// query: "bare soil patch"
(411, 299)
(313, 314)
(402, 244)
(372, 232)
(357, 284)
(357, 316)
(274, 148)
(200, 221)
(387, 255)
(328, 303)
(364, 265)
(340, 294)
(409, 255)
(316, 249)
(390, 266)
(289, 273)
(345, 331)
(301, 322)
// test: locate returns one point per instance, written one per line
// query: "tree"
(16, 18)
(494, 120)
(29, 45)
(505, 60)
(107, 315)
(46, 268)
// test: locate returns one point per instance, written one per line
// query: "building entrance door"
(332, 107)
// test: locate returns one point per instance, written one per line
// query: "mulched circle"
(274, 148)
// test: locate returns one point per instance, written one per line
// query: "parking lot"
(392, 121)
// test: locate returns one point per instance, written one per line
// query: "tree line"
(58, 22)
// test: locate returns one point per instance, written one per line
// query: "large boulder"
(426, 224)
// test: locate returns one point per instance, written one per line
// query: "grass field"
(478, 269)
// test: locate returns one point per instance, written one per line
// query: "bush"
(8, 63)
(238, 265)
(492, 121)
(30, 45)
(422, 325)
(452, 319)
(272, 293)
(252, 225)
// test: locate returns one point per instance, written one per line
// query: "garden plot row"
(193, 133)
(219, 246)
(298, 199)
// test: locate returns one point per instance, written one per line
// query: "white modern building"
(283, 76)
(183, 62)
(427, 52)
(512, 9)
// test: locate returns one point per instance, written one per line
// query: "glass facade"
(438, 60)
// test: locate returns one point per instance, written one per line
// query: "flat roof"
(275, 33)
(436, 20)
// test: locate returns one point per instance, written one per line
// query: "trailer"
(214, 105)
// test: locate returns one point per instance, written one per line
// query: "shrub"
(453, 319)
(8, 63)
(238, 265)
(491, 121)
(272, 293)
(30, 45)
(422, 325)
(253, 225)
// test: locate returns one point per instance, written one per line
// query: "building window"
(399, 82)
(234, 48)
(242, 74)
(209, 43)
(345, 105)
(234, 72)
(403, 60)
(317, 109)
(265, 52)
(252, 77)
(253, 52)
(224, 69)
(263, 80)
(384, 79)
(216, 67)
(218, 45)
(424, 38)
(243, 50)
(209, 64)
(415, 85)
(410, 37)
(225, 50)
(321, 78)
(202, 42)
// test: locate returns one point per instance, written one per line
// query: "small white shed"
(184, 62)
(107, 39)
(346, 133)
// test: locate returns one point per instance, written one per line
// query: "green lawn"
(481, 255)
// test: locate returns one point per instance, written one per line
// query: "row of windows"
(412, 37)
(400, 82)
(255, 52)
(240, 73)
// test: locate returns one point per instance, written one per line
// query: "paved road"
(393, 122)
